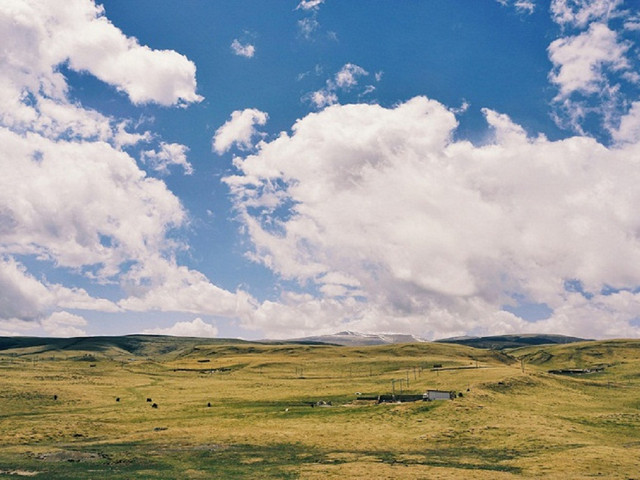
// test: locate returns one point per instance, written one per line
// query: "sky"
(255, 169)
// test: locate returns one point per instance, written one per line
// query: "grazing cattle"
(117, 399)
(55, 397)
(155, 405)
(149, 400)
(208, 404)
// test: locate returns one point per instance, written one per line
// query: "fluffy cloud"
(579, 13)
(400, 227)
(344, 79)
(23, 297)
(195, 328)
(309, 4)
(168, 154)
(64, 324)
(80, 203)
(241, 50)
(595, 68)
(162, 285)
(39, 35)
(348, 75)
(15, 328)
(67, 191)
(69, 195)
(579, 61)
(239, 130)
(323, 98)
(632, 23)
(628, 130)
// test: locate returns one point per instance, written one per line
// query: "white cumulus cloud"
(195, 328)
(241, 50)
(64, 324)
(348, 75)
(401, 227)
(70, 196)
(162, 285)
(323, 98)
(579, 13)
(594, 64)
(579, 61)
(23, 297)
(42, 35)
(168, 154)
(239, 130)
(309, 4)
(80, 203)
(628, 130)
(345, 79)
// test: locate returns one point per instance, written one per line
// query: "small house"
(431, 395)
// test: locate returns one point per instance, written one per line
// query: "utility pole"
(393, 386)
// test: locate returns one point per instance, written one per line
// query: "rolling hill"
(500, 342)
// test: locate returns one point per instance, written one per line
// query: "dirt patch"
(19, 473)
(69, 456)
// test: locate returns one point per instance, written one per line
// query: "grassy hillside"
(104, 347)
(59, 418)
(500, 342)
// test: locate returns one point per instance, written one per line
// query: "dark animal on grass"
(55, 397)
(208, 404)
(155, 405)
(117, 399)
(149, 400)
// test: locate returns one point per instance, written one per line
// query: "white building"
(431, 395)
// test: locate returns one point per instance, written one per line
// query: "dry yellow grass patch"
(508, 423)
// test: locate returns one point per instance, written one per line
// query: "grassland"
(59, 418)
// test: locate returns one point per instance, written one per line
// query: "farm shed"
(431, 395)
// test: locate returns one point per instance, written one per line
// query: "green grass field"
(513, 420)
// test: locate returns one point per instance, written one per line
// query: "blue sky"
(277, 169)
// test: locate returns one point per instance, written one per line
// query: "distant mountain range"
(348, 338)
(496, 342)
(499, 342)
(142, 345)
